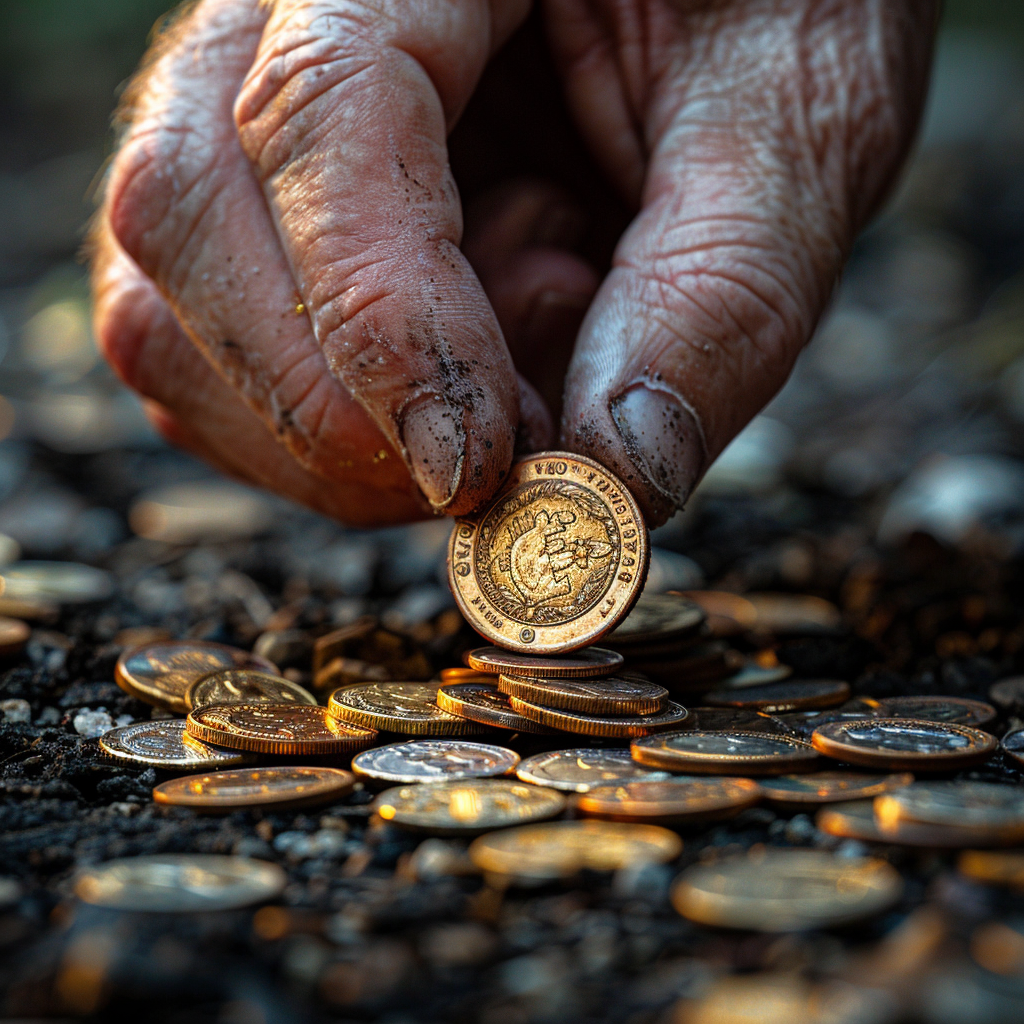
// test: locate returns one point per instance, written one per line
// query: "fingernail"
(662, 438)
(435, 444)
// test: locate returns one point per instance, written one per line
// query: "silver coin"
(166, 744)
(58, 582)
(959, 803)
(434, 761)
(581, 769)
(724, 752)
(957, 710)
(656, 617)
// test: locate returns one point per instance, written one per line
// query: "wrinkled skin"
(281, 267)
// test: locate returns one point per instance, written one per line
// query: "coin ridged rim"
(356, 740)
(983, 745)
(607, 611)
(555, 693)
(526, 769)
(508, 762)
(875, 785)
(497, 661)
(283, 684)
(110, 742)
(440, 724)
(779, 763)
(593, 725)
(600, 802)
(742, 697)
(330, 784)
(981, 708)
(484, 714)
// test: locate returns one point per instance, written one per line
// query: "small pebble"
(90, 724)
(16, 710)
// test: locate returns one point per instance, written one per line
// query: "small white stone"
(16, 710)
(124, 720)
(90, 724)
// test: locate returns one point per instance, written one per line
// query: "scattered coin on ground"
(579, 770)
(202, 510)
(256, 787)
(601, 725)
(245, 686)
(485, 704)
(657, 618)
(398, 707)
(56, 582)
(790, 695)
(676, 801)
(730, 719)
(433, 761)
(829, 787)
(753, 674)
(166, 745)
(993, 867)
(721, 752)
(796, 614)
(613, 695)
(955, 710)
(725, 614)
(586, 664)
(14, 635)
(1013, 745)
(982, 804)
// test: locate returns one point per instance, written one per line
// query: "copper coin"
(14, 635)
(791, 695)
(726, 614)
(904, 743)
(601, 725)
(256, 787)
(679, 800)
(830, 787)
(397, 707)
(723, 752)
(555, 561)
(795, 614)
(611, 695)
(277, 729)
(434, 761)
(485, 704)
(243, 686)
(657, 618)
(1013, 745)
(956, 710)
(587, 664)
(166, 745)
(581, 769)
(160, 673)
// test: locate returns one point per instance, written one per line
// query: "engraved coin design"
(783, 696)
(957, 710)
(673, 801)
(1013, 745)
(777, 890)
(467, 805)
(555, 561)
(581, 769)
(179, 883)
(485, 704)
(601, 725)
(277, 729)
(256, 787)
(594, 661)
(657, 618)
(434, 761)
(161, 672)
(166, 745)
(14, 635)
(724, 752)
(398, 707)
(243, 686)
(612, 695)
(955, 803)
(831, 787)
(904, 743)
(560, 849)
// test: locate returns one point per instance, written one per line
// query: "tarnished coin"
(955, 710)
(732, 719)
(56, 582)
(180, 883)
(167, 745)
(831, 787)
(1008, 694)
(601, 725)
(434, 761)
(795, 614)
(1013, 745)
(244, 686)
(791, 695)
(555, 561)
(161, 672)
(725, 614)
(256, 787)
(485, 704)
(675, 801)
(981, 804)
(468, 805)
(277, 729)
(614, 695)
(580, 770)
(993, 868)
(587, 664)
(722, 752)
(398, 707)
(778, 890)
(561, 849)
(904, 743)
(657, 618)
(14, 635)
(753, 674)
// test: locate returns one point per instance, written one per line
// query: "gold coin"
(434, 761)
(613, 695)
(830, 787)
(791, 695)
(485, 704)
(277, 729)
(161, 672)
(964, 804)
(723, 752)
(166, 745)
(955, 710)
(14, 635)
(683, 799)
(904, 743)
(179, 883)
(1013, 745)
(993, 868)
(795, 614)
(410, 708)
(56, 582)
(587, 664)
(467, 805)
(561, 849)
(580, 770)
(256, 787)
(464, 675)
(779, 890)
(601, 725)
(657, 618)
(725, 614)
(555, 561)
(243, 686)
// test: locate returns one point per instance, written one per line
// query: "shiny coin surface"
(161, 672)
(244, 686)
(956, 710)
(722, 752)
(56, 582)
(485, 704)
(560, 849)
(14, 635)
(555, 561)
(904, 743)
(179, 883)
(753, 674)
(984, 804)
(580, 770)
(993, 868)
(191, 513)
(397, 707)
(468, 805)
(256, 787)
(434, 761)
(675, 801)
(166, 745)
(277, 729)
(795, 614)
(601, 725)
(587, 664)
(726, 614)
(1013, 745)
(464, 675)
(830, 787)
(791, 695)
(777, 890)
(657, 618)
(614, 695)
